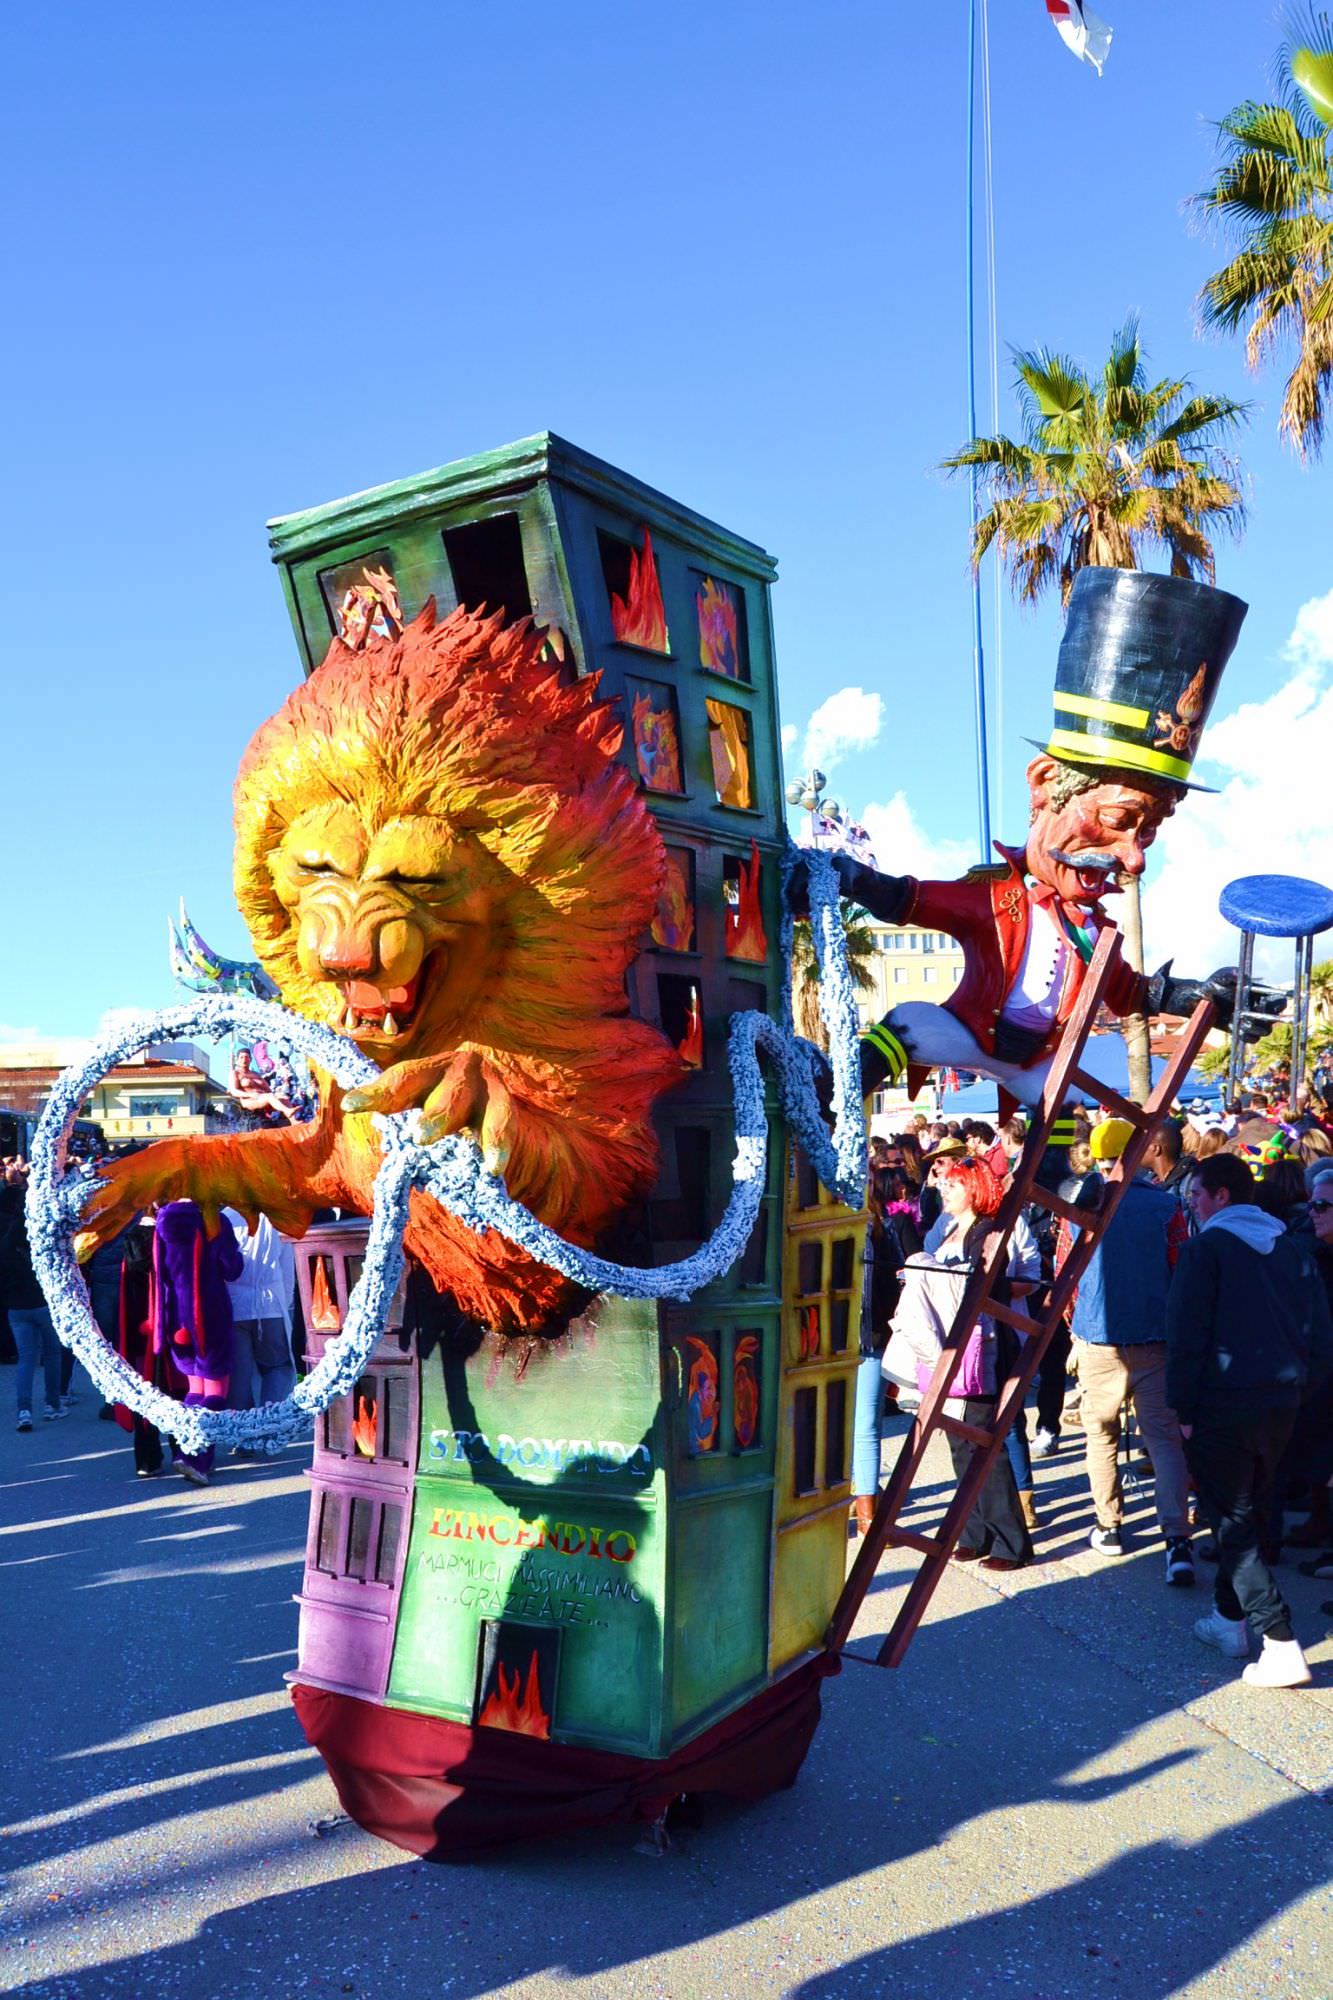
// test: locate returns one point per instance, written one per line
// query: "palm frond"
(1057, 386)
(1302, 418)
(1124, 366)
(1320, 305)
(1201, 416)
(1001, 453)
(1033, 570)
(1253, 281)
(1305, 62)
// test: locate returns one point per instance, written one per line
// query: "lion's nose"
(338, 942)
(346, 952)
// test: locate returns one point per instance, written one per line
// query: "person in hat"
(1119, 1323)
(1139, 668)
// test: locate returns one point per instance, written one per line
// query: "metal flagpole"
(978, 659)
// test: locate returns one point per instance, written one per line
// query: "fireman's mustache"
(1097, 862)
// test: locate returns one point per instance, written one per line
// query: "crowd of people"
(1202, 1326)
(209, 1317)
(1205, 1311)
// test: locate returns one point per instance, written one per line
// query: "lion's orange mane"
(463, 721)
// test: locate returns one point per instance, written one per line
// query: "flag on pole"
(1081, 32)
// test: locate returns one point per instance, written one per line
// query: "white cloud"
(789, 734)
(1273, 813)
(902, 847)
(849, 720)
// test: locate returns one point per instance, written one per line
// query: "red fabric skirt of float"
(445, 1791)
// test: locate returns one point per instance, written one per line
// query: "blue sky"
(270, 255)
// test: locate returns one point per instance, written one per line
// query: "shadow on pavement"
(946, 1836)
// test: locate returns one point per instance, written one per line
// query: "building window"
(928, 975)
(900, 975)
(155, 1107)
(358, 1538)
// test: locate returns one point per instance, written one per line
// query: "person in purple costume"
(192, 1316)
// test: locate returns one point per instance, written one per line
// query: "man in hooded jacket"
(1248, 1335)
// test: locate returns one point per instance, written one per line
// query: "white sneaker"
(1180, 1562)
(53, 1413)
(25, 1420)
(1281, 1664)
(1045, 1444)
(1230, 1635)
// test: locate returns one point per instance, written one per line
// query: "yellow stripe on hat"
(1102, 711)
(1112, 750)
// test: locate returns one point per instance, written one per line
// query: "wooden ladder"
(978, 1297)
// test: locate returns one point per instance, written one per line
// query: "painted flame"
(504, 1710)
(745, 934)
(745, 1391)
(324, 1314)
(690, 1047)
(639, 618)
(365, 1426)
(809, 1322)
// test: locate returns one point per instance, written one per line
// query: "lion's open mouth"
(372, 1013)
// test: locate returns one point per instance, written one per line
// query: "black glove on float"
(1168, 995)
(884, 896)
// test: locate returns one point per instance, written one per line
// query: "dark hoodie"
(18, 1281)
(1247, 1322)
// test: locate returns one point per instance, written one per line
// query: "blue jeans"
(1020, 1458)
(262, 1354)
(104, 1298)
(34, 1336)
(867, 1426)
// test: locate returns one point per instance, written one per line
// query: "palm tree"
(1273, 193)
(1321, 994)
(1110, 466)
(857, 929)
(1214, 1061)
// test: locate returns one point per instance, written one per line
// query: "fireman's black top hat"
(1140, 662)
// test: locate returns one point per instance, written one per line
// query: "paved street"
(1060, 1793)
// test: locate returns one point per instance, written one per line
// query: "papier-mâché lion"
(438, 855)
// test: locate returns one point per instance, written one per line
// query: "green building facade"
(625, 1538)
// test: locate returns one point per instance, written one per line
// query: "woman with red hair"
(995, 1533)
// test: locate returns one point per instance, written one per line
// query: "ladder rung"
(1083, 1218)
(1011, 1316)
(957, 1428)
(1110, 1099)
(926, 1545)
(908, 1466)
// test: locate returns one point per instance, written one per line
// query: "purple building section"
(361, 1482)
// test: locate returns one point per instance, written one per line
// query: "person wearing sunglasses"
(1248, 1338)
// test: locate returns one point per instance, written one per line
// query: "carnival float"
(581, 1345)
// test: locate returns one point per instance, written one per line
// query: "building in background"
(908, 964)
(168, 1089)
